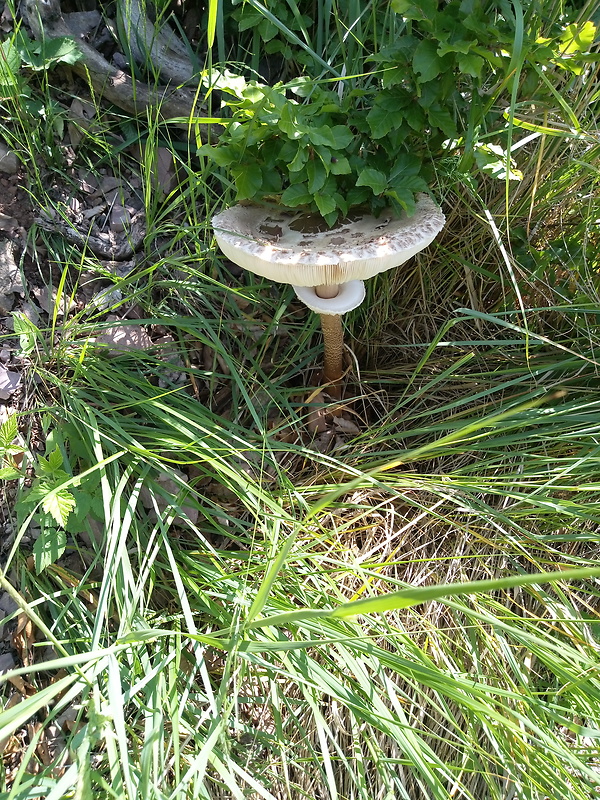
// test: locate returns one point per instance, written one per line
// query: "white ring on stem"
(350, 296)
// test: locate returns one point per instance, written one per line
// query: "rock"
(7, 223)
(9, 383)
(7, 662)
(120, 218)
(9, 163)
(10, 277)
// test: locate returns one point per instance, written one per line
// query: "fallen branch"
(132, 96)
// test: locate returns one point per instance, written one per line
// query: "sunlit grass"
(474, 393)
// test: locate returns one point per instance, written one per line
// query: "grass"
(203, 638)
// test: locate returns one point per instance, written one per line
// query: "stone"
(121, 338)
(9, 163)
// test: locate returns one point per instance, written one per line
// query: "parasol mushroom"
(326, 266)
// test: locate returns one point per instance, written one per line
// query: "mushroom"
(326, 266)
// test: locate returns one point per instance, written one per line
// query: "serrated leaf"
(55, 460)
(248, 181)
(63, 50)
(317, 175)
(426, 61)
(48, 548)
(325, 203)
(8, 431)
(9, 473)
(372, 178)
(296, 195)
(59, 504)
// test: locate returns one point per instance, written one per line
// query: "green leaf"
(48, 548)
(63, 49)
(374, 179)
(317, 175)
(299, 160)
(55, 460)
(296, 195)
(426, 61)
(10, 61)
(9, 473)
(8, 431)
(342, 136)
(471, 64)
(381, 122)
(322, 135)
(58, 504)
(577, 38)
(442, 119)
(340, 166)
(248, 181)
(325, 203)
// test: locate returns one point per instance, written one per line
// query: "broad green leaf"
(381, 122)
(10, 61)
(578, 38)
(59, 504)
(317, 175)
(48, 548)
(296, 195)
(471, 64)
(374, 179)
(63, 49)
(248, 181)
(442, 119)
(342, 136)
(299, 159)
(340, 166)
(426, 61)
(325, 203)
(9, 473)
(322, 135)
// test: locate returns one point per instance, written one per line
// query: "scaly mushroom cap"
(288, 246)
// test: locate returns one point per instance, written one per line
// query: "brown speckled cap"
(285, 246)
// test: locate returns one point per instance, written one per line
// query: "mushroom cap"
(287, 246)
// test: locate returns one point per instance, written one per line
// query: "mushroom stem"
(333, 343)
(327, 291)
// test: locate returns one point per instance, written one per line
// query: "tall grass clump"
(404, 608)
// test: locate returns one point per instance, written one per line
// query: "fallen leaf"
(10, 277)
(121, 338)
(23, 638)
(9, 383)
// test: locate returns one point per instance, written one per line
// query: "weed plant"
(236, 612)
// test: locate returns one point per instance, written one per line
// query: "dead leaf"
(346, 426)
(10, 277)
(121, 338)
(9, 383)
(23, 639)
